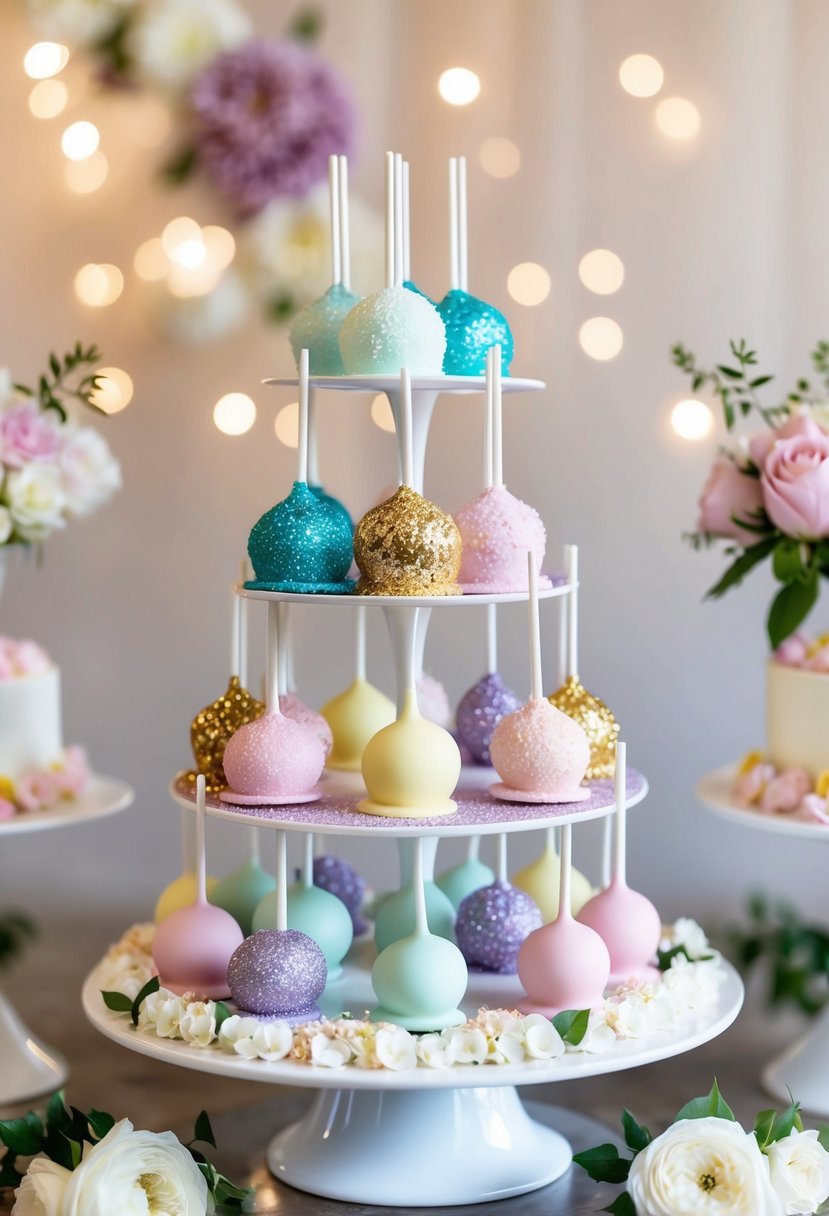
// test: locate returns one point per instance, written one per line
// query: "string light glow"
(220, 245)
(528, 283)
(459, 86)
(150, 260)
(48, 98)
(80, 140)
(45, 59)
(601, 338)
(86, 176)
(381, 414)
(234, 414)
(179, 230)
(641, 75)
(114, 391)
(602, 271)
(692, 419)
(678, 118)
(499, 157)
(98, 284)
(286, 425)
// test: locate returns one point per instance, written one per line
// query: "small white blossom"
(541, 1039)
(198, 1023)
(395, 1048)
(127, 973)
(599, 1037)
(431, 1051)
(35, 500)
(273, 1040)
(172, 40)
(329, 1053)
(161, 1013)
(466, 1046)
(687, 933)
(6, 524)
(235, 1030)
(505, 1049)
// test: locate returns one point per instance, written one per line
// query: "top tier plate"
(429, 384)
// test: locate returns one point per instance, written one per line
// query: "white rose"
(172, 40)
(699, 1166)
(127, 973)
(329, 1053)
(6, 524)
(7, 393)
(799, 1168)
(89, 472)
(273, 1040)
(198, 1023)
(466, 1046)
(136, 1174)
(395, 1049)
(161, 1014)
(42, 1189)
(541, 1039)
(431, 1050)
(81, 21)
(35, 500)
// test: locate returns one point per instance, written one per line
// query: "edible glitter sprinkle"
(472, 327)
(334, 504)
(407, 546)
(597, 722)
(479, 712)
(317, 329)
(213, 726)
(540, 748)
(273, 757)
(497, 529)
(301, 545)
(339, 878)
(492, 925)
(391, 329)
(277, 971)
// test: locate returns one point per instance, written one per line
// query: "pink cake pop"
(289, 703)
(497, 528)
(627, 922)
(540, 754)
(564, 965)
(193, 946)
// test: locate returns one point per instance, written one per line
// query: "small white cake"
(797, 718)
(31, 737)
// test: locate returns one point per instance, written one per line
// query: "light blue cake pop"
(317, 328)
(333, 503)
(391, 329)
(395, 918)
(241, 892)
(468, 876)
(472, 327)
(303, 544)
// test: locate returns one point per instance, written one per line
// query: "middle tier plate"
(478, 812)
(560, 586)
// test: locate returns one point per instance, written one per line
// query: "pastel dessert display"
(541, 880)
(563, 965)
(496, 528)
(420, 979)
(539, 753)
(357, 714)
(394, 327)
(467, 876)
(193, 946)
(317, 326)
(627, 922)
(473, 326)
(183, 891)
(483, 706)
(494, 921)
(338, 877)
(289, 703)
(241, 892)
(280, 972)
(395, 912)
(573, 699)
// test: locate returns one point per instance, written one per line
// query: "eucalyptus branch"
(67, 378)
(734, 384)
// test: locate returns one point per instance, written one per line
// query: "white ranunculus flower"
(799, 1168)
(395, 1049)
(198, 1023)
(692, 986)
(701, 1166)
(89, 472)
(431, 1050)
(686, 932)
(35, 500)
(6, 524)
(77, 21)
(42, 1189)
(161, 1014)
(136, 1173)
(172, 40)
(127, 973)
(541, 1039)
(329, 1053)
(466, 1046)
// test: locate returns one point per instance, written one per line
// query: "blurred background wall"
(722, 234)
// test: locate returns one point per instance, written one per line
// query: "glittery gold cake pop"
(407, 546)
(597, 722)
(213, 726)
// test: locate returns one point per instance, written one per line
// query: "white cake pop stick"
(563, 630)
(607, 852)
(536, 684)
(390, 219)
(334, 195)
(272, 661)
(407, 226)
(565, 899)
(282, 880)
(572, 552)
(501, 870)
(463, 236)
(313, 449)
(360, 644)
(302, 446)
(497, 419)
(242, 658)
(308, 861)
(236, 636)
(454, 265)
(620, 857)
(491, 639)
(201, 842)
(473, 848)
(188, 845)
(421, 919)
(284, 647)
(489, 424)
(406, 429)
(255, 855)
(398, 220)
(345, 226)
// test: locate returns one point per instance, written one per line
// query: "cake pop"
(411, 767)
(193, 946)
(563, 965)
(494, 921)
(180, 893)
(419, 980)
(273, 760)
(472, 326)
(433, 701)
(279, 972)
(407, 545)
(538, 752)
(338, 877)
(496, 528)
(393, 328)
(461, 880)
(541, 880)
(627, 922)
(302, 544)
(483, 706)
(312, 911)
(573, 699)
(241, 892)
(394, 911)
(317, 326)
(357, 714)
(289, 703)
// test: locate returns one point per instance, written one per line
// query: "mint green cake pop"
(468, 876)
(317, 328)
(396, 915)
(241, 892)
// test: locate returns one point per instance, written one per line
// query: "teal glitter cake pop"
(472, 327)
(334, 504)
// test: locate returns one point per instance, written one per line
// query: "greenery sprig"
(16, 929)
(67, 378)
(794, 952)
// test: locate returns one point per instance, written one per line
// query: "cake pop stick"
(406, 429)
(344, 225)
(489, 414)
(494, 363)
(360, 644)
(407, 230)
(454, 263)
(242, 658)
(463, 238)
(272, 661)
(502, 857)
(421, 919)
(282, 880)
(607, 851)
(336, 232)
(398, 220)
(492, 639)
(308, 861)
(536, 681)
(621, 816)
(302, 446)
(572, 558)
(390, 221)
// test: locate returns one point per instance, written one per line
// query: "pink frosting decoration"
(24, 658)
(192, 949)
(36, 791)
(818, 660)
(786, 791)
(433, 702)
(795, 485)
(73, 774)
(727, 493)
(539, 749)
(7, 809)
(815, 807)
(793, 652)
(564, 965)
(497, 529)
(799, 424)
(28, 433)
(273, 757)
(750, 787)
(628, 924)
(291, 706)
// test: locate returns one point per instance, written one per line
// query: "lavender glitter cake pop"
(494, 921)
(487, 702)
(338, 877)
(279, 973)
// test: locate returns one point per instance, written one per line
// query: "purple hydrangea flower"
(268, 115)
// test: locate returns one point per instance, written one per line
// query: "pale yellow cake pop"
(411, 767)
(541, 878)
(180, 893)
(355, 716)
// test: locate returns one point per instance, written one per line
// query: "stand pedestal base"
(418, 1148)
(804, 1069)
(28, 1069)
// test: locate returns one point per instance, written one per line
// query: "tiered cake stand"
(803, 1068)
(29, 1069)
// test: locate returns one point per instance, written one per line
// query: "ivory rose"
(728, 494)
(42, 1189)
(795, 486)
(799, 1167)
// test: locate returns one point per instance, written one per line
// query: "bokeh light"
(459, 86)
(381, 414)
(641, 75)
(678, 118)
(221, 247)
(601, 338)
(179, 230)
(86, 176)
(114, 390)
(692, 419)
(287, 425)
(528, 283)
(45, 59)
(80, 140)
(234, 414)
(98, 284)
(150, 260)
(499, 157)
(48, 99)
(602, 271)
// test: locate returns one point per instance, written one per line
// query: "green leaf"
(823, 1136)
(785, 1123)
(223, 1012)
(100, 1122)
(203, 1132)
(118, 1002)
(181, 166)
(280, 306)
(22, 1137)
(745, 563)
(306, 25)
(149, 988)
(763, 1125)
(713, 1105)
(761, 380)
(54, 364)
(790, 607)
(571, 1024)
(787, 560)
(637, 1137)
(732, 372)
(622, 1205)
(604, 1164)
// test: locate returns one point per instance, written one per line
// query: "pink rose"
(793, 652)
(750, 787)
(786, 791)
(818, 660)
(72, 777)
(7, 809)
(795, 485)
(28, 433)
(815, 807)
(728, 493)
(36, 791)
(798, 424)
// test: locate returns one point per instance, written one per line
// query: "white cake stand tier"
(384, 1137)
(803, 1069)
(28, 1068)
